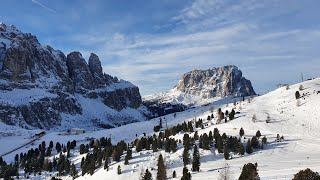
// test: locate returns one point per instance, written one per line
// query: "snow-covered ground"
(175, 96)
(299, 125)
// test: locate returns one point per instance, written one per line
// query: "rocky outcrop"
(96, 69)
(80, 73)
(215, 82)
(199, 87)
(55, 86)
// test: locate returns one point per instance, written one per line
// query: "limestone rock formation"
(40, 87)
(199, 87)
(215, 82)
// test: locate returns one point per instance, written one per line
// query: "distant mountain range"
(41, 87)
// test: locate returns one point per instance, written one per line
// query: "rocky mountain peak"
(216, 82)
(79, 72)
(95, 66)
(51, 84)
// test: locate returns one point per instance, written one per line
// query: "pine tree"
(167, 145)
(210, 138)
(73, 171)
(58, 147)
(129, 153)
(249, 147)
(258, 134)
(190, 127)
(119, 170)
(205, 142)
(139, 145)
(106, 165)
(160, 123)
(185, 174)
(255, 142)
(186, 141)
(195, 135)
(241, 149)
(196, 159)
(226, 152)
(147, 175)
(92, 168)
(249, 172)
(174, 174)
(297, 94)
(161, 174)
(126, 160)
(68, 153)
(51, 145)
(231, 114)
(173, 145)
(116, 155)
(186, 156)
(155, 145)
(219, 144)
(82, 149)
(264, 140)
(241, 132)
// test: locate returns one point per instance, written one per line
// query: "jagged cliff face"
(52, 86)
(199, 87)
(216, 82)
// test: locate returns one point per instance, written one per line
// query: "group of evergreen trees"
(255, 143)
(306, 174)
(8, 170)
(100, 152)
(103, 150)
(36, 160)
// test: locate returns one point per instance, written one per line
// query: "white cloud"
(214, 33)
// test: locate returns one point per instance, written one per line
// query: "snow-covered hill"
(299, 123)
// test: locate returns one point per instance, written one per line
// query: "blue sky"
(152, 43)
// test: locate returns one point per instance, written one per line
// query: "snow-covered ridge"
(176, 97)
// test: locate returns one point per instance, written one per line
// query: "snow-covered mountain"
(204, 86)
(297, 120)
(40, 87)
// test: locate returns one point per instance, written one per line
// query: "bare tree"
(287, 87)
(254, 118)
(268, 118)
(301, 87)
(225, 173)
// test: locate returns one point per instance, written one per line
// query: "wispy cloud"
(268, 39)
(159, 61)
(43, 6)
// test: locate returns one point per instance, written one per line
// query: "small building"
(38, 135)
(76, 131)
